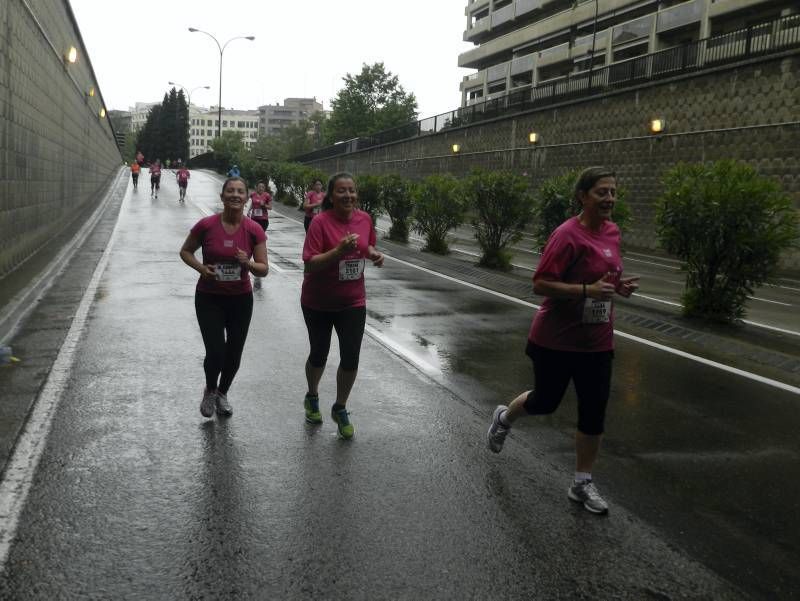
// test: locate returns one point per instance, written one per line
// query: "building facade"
(525, 44)
(273, 119)
(203, 127)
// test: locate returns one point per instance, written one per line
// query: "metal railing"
(757, 40)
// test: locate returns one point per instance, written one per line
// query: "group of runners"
(182, 176)
(570, 339)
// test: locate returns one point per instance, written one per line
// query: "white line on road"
(644, 341)
(764, 300)
(21, 468)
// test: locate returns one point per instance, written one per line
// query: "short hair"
(589, 177)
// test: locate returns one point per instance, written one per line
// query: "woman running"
(572, 335)
(135, 169)
(155, 178)
(182, 175)
(260, 206)
(338, 243)
(313, 202)
(224, 297)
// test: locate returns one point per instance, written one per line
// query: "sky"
(302, 48)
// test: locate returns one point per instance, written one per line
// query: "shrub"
(396, 199)
(438, 208)
(728, 225)
(369, 195)
(555, 203)
(503, 207)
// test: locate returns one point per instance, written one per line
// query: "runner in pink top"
(339, 242)
(223, 297)
(155, 178)
(260, 206)
(572, 335)
(313, 202)
(182, 176)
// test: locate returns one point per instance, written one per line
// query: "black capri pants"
(224, 321)
(591, 373)
(349, 325)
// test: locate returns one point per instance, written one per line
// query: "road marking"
(764, 300)
(21, 468)
(405, 353)
(644, 341)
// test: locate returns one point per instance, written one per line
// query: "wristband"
(584, 290)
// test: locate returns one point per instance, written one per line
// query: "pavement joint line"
(21, 468)
(34, 292)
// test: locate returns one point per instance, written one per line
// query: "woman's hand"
(243, 258)
(628, 286)
(207, 272)
(374, 256)
(602, 289)
(346, 244)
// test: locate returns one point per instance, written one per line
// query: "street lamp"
(188, 92)
(221, 50)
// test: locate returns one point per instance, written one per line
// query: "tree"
(729, 226)
(503, 206)
(368, 103)
(165, 134)
(369, 195)
(396, 201)
(438, 208)
(229, 147)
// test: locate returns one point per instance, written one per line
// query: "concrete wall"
(750, 113)
(56, 153)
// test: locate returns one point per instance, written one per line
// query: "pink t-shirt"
(219, 249)
(576, 255)
(258, 206)
(183, 176)
(155, 170)
(314, 197)
(341, 284)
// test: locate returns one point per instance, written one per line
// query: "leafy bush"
(728, 225)
(503, 207)
(555, 203)
(369, 195)
(438, 208)
(396, 199)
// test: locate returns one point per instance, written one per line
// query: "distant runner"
(135, 174)
(155, 178)
(182, 176)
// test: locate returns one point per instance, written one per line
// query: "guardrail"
(757, 40)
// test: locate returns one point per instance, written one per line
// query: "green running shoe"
(311, 404)
(342, 419)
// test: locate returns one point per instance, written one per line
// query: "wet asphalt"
(137, 496)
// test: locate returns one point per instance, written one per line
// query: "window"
(497, 86)
(522, 79)
(224, 124)
(240, 124)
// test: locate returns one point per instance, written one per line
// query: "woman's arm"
(190, 246)
(602, 289)
(322, 260)
(258, 266)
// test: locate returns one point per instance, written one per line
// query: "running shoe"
(586, 492)
(223, 406)
(342, 419)
(208, 403)
(497, 433)
(311, 404)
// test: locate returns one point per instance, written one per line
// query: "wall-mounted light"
(658, 125)
(102, 113)
(533, 137)
(90, 93)
(456, 148)
(71, 55)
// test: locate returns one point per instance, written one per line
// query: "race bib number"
(228, 272)
(258, 212)
(596, 311)
(351, 269)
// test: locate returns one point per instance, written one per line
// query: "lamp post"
(188, 92)
(221, 51)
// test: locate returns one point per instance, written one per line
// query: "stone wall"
(750, 112)
(57, 154)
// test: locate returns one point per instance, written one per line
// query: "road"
(135, 496)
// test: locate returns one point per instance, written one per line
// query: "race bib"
(596, 311)
(258, 212)
(351, 269)
(228, 272)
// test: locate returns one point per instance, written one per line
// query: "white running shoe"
(208, 403)
(497, 433)
(586, 492)
(223, 406)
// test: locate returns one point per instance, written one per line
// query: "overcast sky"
(302, 48)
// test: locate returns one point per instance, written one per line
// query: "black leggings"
(155, 182)
(553, 370)
(349, 324)
(218, 315)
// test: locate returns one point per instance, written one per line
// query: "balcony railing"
(758, 40)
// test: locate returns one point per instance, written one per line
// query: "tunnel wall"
(57, 154)
(750, 112)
